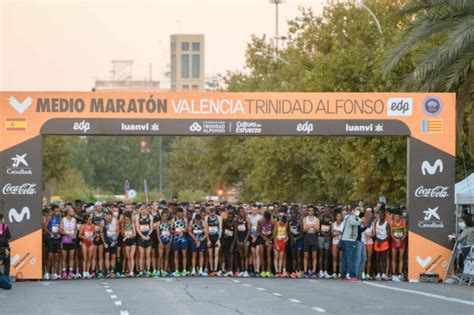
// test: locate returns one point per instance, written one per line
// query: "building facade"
(187, 63)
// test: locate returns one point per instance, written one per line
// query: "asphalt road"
(233, 296)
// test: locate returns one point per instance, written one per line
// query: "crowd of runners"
(351, 242)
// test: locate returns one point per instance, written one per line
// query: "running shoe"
(46, 276)
(78, 276)
(154, 273)
(185, 273)
(284, 275)
(307, 275)
(395, 278)
(301, 274)
(131, 275)
(334, 276)
(64, 276)
(363, 276)
(176, 274)
(107, 275)
(293, 275)
(204, 273)
(164, 273)
(321, 274)
(246, 274)
(92, 275)
(385, 277)
(140, 274)
(112, 275)
(368, 277)
(354, 279)
(219, 273)
(55, 276)
(193, 272)
(148, 274)
(119, 275)
(378, 277)
(314, 276)
(100, 275)
(326, 275)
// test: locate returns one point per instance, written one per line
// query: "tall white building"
(187, 62)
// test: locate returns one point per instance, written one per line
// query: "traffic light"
(220, 192)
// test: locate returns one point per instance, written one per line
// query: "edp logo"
(307, 127)
(83, 126)
(400, 107)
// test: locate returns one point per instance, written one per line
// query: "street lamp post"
(276, 3)
(361, 4)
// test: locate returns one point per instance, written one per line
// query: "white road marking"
(104, 283)
(431, 295)
(109, 291)
(118, 303)
(276, 294)
(295, 301)
(247, 284)
(236, 281)
(261, 289)
(169, 280)
(113, 297)
(124, 313)
(106, 286)
(318, 309)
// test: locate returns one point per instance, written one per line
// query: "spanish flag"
(15, 124)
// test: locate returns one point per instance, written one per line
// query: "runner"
(129, 234)
(368, 240)
(265, 229)
(229, 238)
(144, 229)
(398, 232)
(296, 241)
(255, 241)
(109, 237)
(68, 230)
(164, 239)
(87, 234)
(281, 232)
(214, 233)
(337, 228)
(154, 238)
(324, 243)
(243, 235)
(310, 245)
(198, 244)
(53, 241)
(180, 243)
(98, 217)
(381, 245)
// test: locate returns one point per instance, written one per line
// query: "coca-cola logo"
(435, 192)
(24, 189)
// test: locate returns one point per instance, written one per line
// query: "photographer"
(4, 255)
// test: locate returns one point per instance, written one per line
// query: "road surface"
(208, 296)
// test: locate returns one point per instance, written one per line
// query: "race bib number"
(165, 233)
(180, 229)
(281, 237)
(88, 234)
(144, 228)
(398, 234)
(197, 231)
(293, 230)
(254, 230)
(97, 228)
(325, 228)
(70, 232)
(55, 229)
(213, 230)
(311, 231)
(128, 233)
(228, 233)
(110, 234)
(241, 227)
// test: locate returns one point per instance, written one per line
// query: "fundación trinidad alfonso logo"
(18, 124)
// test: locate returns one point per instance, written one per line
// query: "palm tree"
(441, 38)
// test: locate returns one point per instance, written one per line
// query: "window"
(184, 46)
(184, 66)
(186, 88)
(196, 46)
(195, 88)
(196, 66)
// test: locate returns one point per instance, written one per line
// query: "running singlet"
(179, 227)
(128, 231)
(110, 231)
(381, 231)
(53, 226)
(228, 229)
(213, 226)
(253, 223)
(366, 238)
(165, 233)
(88, 233)
(397, 229)
(144, 224)
(281, 232)
(241, 229)
(267, 229)
(295, 228)
(314, 221)
(198, 231)
(96, 219)
(69, 227)
(337, 228)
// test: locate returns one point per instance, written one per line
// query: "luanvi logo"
(428, 168)
(14, 215)
(20, 107)
(83, 126)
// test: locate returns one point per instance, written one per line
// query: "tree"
(440, 36)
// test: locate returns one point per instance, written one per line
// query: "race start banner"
(427, 120)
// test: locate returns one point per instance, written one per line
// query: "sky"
(67, 45)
